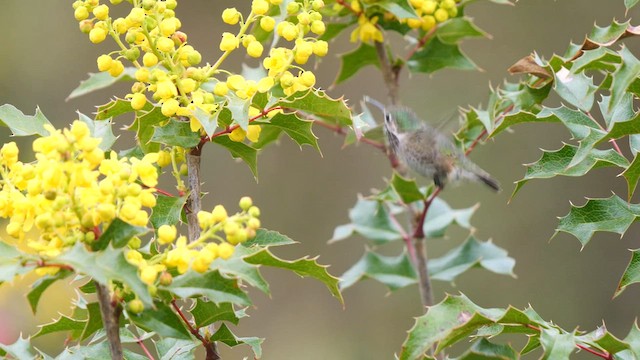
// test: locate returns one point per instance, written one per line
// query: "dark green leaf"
(162, 320)
(612, 214)
(207, 312)
(333, 29)
(106, 265)
(299, 130)
(38, 287)
(210, 284)
(145, 129)
(100, 129)
(631, 273)
(304, 267)
(485, 350)
(62, 324)
(240, 150)
(167, 210)
(355, 60)
(266, 238)
(627, 72)
(94, 320)
(437, 55)
(472, 253)
(518, 118)
(118, 235)
(600, 58)
(21, 124)
(632, 174)
(456, 29)
(407, 189)
(117, 107)
(237, 268)
(393, 271)
(268, 135)
(97, 81)
(316, 102)
(399, 8)
(556, 163)
(225, 336)
(176, 133)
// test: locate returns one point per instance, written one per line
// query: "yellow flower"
(230, 16)
(367, 30)
(267, 23)
(229, 42)
(253, 132)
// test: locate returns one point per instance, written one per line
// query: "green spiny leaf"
(176, 133)
(303, 267)
(38, 287)
(399, 8)
(175, 349)
(600, 58)
(21, 349)
(612, 214)
(631, 273)
(605, 36)
(299, 130)
(393, 271)
(145, 125)
(632, 174)
(94, 320)
(237, 268)
(441, 216)
(576, 88)
(437, 55)
(521, 117)
(117, 107)
(167, 210)
(355, 60)
(317, 103)
(106, 265)
(373, 221)
(472, 253)
(627, 72)
(239, 150)
(210, 284)
(21, 124)
(101, 130)
(266, 238)
(63, 323)
(630, 3)
(483, 349)
(225, 336)
(556, 345)
(118, 235)
(97, 81)
(207, 312)
(456, 29)
(407, 189)
(162, 320)
(12, 262)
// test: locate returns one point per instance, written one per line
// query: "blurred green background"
(305, 195)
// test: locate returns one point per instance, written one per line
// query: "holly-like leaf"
(399, 8)
(106, 265)
(162, 320)
(12, 262)
(94, 320)
(101, 130)
(237, 268)
(210, 284)
(145, 126)
(317, 103)
(38, 287)
(63, 323)
(406, 189)
(333, 29)
(458, 28)
(600, 58)
(393, 271)
(605, 36)
(484, 349)
(631, 273)
(632, 174)
(117, 107)
(167, 210)
(21, 124)
(440, 216)
(118, 235)
(611, 214)
(97, 81)
(438, 55)
(175, 349)
(630, 3)
(239, 150)
(304, 267)
(266, 238)
(207, 312)
(556, 345)
(208, 122)
(521, 117)
(372, 220)
(556, 163)
(472, 253)
(21, 349)
(225, 336)
(627, 72)
(299, 130)
(576, 88)
(355, 60)
(176, 133)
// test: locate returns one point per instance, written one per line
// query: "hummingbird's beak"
(374, 102)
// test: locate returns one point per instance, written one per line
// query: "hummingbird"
(427, 151)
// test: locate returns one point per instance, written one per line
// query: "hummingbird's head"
(390, 122)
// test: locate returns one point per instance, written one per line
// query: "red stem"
(144, 348)
(348, 7)
(229, 129)
(423, 40)
(210, 347)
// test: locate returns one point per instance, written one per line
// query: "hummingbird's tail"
(488, 180)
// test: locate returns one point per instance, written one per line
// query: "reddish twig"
(164, 192)
(612, 141)
(210, 346)
(405, 237)
(423, 40)
(43, 263)
(348, 7)
(229, 129)
(144, 348)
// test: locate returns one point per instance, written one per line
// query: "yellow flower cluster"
(199, 254)
(432, 12)
(71, 192)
